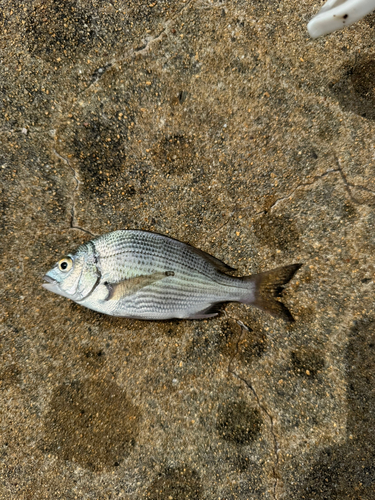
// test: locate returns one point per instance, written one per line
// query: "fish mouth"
(54, 286)
(49, 279)
(51, 284)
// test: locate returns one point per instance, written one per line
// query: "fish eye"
(65, 264)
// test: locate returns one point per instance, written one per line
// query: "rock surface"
(221, 124)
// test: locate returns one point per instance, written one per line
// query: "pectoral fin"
(117, 291)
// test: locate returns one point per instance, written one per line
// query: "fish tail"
(267, 287)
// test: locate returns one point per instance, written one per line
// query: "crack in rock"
(304, 184)
(261, 407)
(348, 185)
(301, 185)
(73, 224)
(147, 46)
(223, 225)
(95, 77)
(131, 53)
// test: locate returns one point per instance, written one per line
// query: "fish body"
(144, 275)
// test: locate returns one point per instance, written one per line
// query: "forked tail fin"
(268, 286)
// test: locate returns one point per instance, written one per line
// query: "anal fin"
(208, 312)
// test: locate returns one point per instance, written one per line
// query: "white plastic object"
(336, 14)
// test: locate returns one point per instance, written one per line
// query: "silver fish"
(144, 275)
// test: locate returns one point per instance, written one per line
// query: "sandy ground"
(224, 125)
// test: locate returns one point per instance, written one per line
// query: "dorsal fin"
(218, 264)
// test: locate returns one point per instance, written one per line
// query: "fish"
(145, 275)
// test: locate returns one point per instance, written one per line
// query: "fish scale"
(144, 275)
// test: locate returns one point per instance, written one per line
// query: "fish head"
(74, 276)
